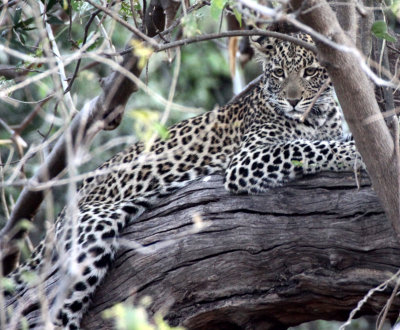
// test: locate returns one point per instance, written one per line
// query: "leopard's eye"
(310, 71)
(278, 72)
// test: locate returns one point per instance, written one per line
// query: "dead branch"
(309, 250)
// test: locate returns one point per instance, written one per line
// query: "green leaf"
(17, 15)
(7, 284)
(25, 225)
(127, 317)
(190, 26)
(216, 8)
(76, 4)
(145, 123)
(137, 6)
(29, 21)
(54, 20)
(96, 44)
(238, 16)
(297, 163)
(379, 29)
(29, 277)
(125, 10)
(24, 24)
(51, 3)
(162, 130)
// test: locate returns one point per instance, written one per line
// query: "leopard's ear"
(264, 47)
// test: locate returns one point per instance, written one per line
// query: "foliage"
(127, 317)
(218, 6)
(380, 30)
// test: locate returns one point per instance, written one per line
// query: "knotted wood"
(308, 250)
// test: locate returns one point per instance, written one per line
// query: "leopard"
(284, 127)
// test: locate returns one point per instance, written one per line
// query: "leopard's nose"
(293, 102)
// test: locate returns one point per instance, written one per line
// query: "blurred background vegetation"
(204, 82)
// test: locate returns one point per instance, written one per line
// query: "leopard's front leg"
(258, 166)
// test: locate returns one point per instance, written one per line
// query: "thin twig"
(381, 287)
(77, 55)
(237, 33)
(394, 49)
(396, 137)
(78, 63)
(314, 100)
(3, 195)
(173, 87)
(125, 24)
(378, 116)
(9, 4)
(157, 97)
(225, 34)
(171, 94)
(28, 119)
(388, 304)
(17, 139)
(178, 21)
(60, 65)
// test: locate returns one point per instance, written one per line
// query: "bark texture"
(309, 250)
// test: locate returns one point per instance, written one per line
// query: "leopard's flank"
(258, 141)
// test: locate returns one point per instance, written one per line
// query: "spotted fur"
(258, 141)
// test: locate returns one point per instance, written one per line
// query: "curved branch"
(309, 250)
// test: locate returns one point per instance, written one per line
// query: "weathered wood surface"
(309, 250)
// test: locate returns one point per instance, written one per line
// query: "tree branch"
(238, 33)
(130, 27)
(228, 34)
(346, 14)
(309, 250)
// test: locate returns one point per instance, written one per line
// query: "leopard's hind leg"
(88, 257)
(32, 265)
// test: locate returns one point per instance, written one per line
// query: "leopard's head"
(292, 76)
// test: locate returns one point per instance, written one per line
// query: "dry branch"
(309, 250)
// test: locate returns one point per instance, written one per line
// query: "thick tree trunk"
(357, 99)
(308, 250)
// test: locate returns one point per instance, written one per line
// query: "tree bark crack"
(286, 256)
